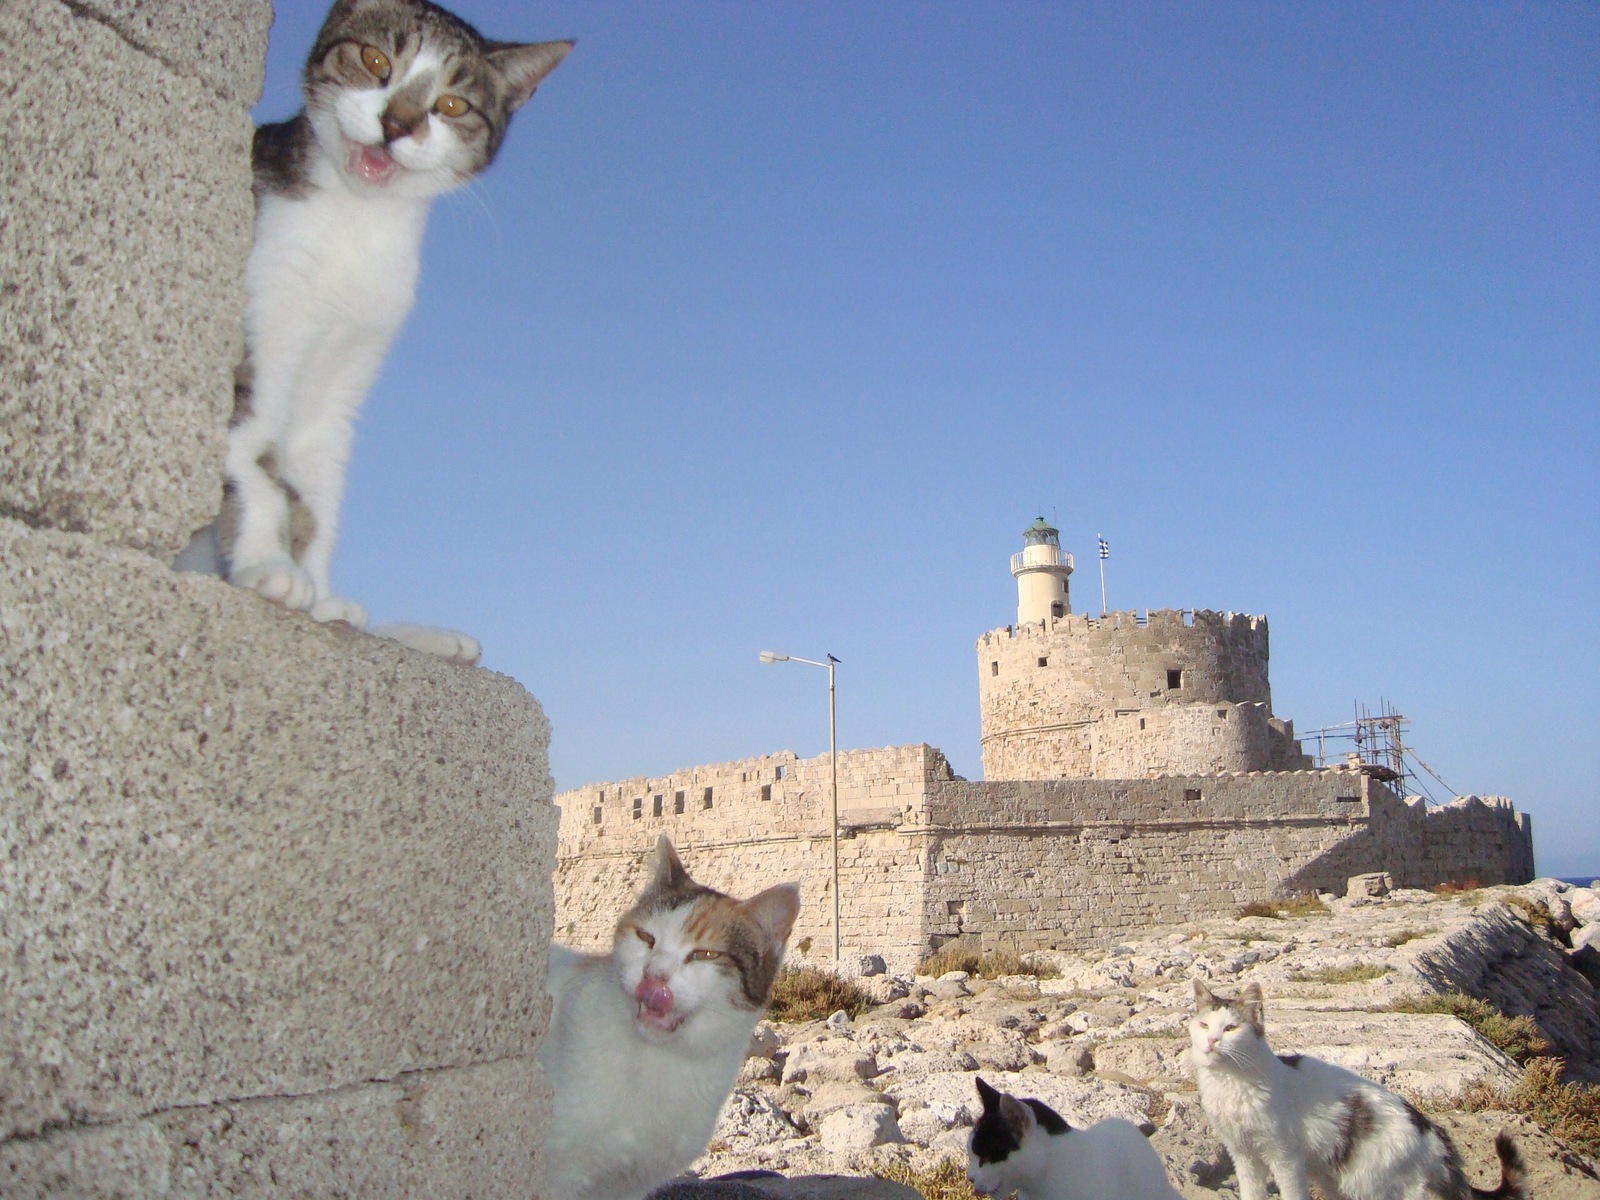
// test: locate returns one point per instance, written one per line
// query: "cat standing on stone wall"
(645, 1043)
(1301, 1120)
(403, 102)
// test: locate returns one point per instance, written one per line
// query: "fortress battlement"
(1084, 624)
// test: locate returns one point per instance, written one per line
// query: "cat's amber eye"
(647, 938)
(451, 106)
(376, 61)
(703, 955)
(1229, 1028)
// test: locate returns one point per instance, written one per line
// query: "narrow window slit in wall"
(766, 791)
(598, 813)
(1174, 678)
(655, 806)
(705, 800)
(677, 802)
(638, 807)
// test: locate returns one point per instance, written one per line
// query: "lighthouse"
(1041, 572)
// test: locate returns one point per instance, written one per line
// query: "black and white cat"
(645, 1043)
(1301, 1120)
(1025, 1146)
(403, 102)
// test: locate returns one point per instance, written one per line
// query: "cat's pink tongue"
(654, 997)
(372, 163)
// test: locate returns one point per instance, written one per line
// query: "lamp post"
(770, 656)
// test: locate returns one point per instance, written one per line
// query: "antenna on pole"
(1105, 553)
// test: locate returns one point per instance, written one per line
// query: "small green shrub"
(1355, 973)
(1569, 1111)
(1402, 936)
(1519, 1037)
(946, 1180)
(1290, 907)
(991, 964)
(807, 994)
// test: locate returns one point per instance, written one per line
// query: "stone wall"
(747, 825)
(1193, 739)
(1043, 689)
(1027, 864)
(273, 894)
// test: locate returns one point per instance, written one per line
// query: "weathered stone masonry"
(1026, 864)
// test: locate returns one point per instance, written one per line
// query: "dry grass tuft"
(1290, 907)
(1402, 936)
(807, 994)
(946, 1180)
(1355, 973)
(991, 964)
(1519, 1037)
(1568, 1111)
(1538, 915)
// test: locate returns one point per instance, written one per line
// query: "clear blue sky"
(775, 323)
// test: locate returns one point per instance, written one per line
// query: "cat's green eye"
(703, 955)
(647, 938)
(1229, 1028)
(451, 106)
(376, 61)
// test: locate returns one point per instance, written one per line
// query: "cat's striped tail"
(1513, 1172)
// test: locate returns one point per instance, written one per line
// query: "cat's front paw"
(279, 580)
(448, 644)
(334, 608)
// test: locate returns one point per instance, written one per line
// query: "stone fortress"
(1134, 775)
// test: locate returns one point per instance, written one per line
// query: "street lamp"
(771, 656)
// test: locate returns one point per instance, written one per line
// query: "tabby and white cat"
(1025, 1146)
(403, 102)
(645, 1043)
(1301, 1120)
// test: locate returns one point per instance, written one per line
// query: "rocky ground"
(1107, 1038)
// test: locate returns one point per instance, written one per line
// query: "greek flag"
(1105, 550)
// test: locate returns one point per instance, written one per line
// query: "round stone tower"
(1041, 572)
(1126, 695)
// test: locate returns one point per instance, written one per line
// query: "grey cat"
(403, 102)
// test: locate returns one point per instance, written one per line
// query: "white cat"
(1301, 1120)
(645, 1043)
(404, 102)
(1026, 1147)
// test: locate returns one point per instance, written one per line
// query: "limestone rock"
(859, 1127)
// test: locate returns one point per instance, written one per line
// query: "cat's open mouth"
(661, 1022)
(373, 164)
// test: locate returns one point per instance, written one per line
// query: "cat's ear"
(988, 1094)
(1204, 998)
(525, 66)
(1254, 1006)
(1018, 1117)
(774, 910)
(666, 868)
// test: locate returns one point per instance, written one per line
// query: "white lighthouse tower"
(1041, 571)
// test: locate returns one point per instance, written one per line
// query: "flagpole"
(1105, 553)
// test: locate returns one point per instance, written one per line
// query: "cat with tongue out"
(645, 1042)
(403, 102)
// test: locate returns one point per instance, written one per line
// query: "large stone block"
(125, 221)
(218, 42)
(243, 854)
(443, 1134)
